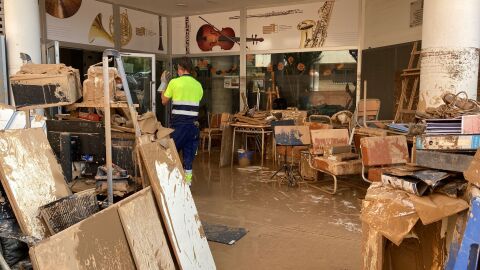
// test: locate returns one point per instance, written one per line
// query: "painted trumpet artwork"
(314, 33)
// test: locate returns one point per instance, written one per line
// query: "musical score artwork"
(207, 33)
(148, 31)
(93, 23)
(80, 21)
(209, 36)
(305, 26)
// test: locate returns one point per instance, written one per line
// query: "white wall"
(387, 22)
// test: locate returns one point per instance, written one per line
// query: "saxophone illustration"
(313, 34)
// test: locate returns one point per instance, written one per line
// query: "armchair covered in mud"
(331, 154)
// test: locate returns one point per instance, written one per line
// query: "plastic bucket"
(244, 157)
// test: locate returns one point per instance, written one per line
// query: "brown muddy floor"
(289, 228)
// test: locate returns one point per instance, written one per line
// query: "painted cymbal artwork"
(62, 8)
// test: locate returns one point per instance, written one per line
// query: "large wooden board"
(143, 228)
(377, 151)
(292, 135)
(98, 242)
(31, 176)
(456, 162)
(226, 147)
(328, 137)
(176, 205)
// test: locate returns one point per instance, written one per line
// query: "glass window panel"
(320, 82)
(219, 76)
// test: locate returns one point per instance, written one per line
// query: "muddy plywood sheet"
(292, 135)
(328, 137)
(143, 228)
(338, 167)
(98, 242)
(31, 177)
(472, 174)
(456, 162)
(384, 150)
(176, 205)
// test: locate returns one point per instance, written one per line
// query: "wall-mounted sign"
(306, 26)
(143, 31)
(416, 13)
(80, 21)
(231, 82)
(206, 33)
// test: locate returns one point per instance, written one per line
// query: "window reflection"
(319, 82)
(219, 76)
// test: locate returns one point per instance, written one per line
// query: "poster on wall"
(143, 31)
(80, 21)
(306, 26)
(206, 33)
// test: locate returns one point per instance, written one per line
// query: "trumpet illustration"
(97, 31)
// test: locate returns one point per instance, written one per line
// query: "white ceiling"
(193, 7)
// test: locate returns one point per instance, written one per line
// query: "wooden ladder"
(408, 101)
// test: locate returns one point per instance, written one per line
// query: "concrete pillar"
(22, 32)
(450, 54)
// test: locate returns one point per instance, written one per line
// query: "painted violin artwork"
(209, 36)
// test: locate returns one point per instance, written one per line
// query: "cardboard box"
(403, 231)
(93, 86)
(44, 86)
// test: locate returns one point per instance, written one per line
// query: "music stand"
(290, 137)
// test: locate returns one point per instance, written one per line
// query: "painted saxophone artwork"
(314, 33)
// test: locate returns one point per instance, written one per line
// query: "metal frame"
(335, 180)
(108, 125)
(153, 85)
(250, 130)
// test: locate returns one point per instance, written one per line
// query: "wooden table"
(257, 130)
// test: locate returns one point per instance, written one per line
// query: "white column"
(22, 32)
(450, 54)
(243, 56)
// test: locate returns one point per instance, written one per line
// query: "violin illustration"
(209, 36)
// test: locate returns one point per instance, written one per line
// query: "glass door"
(140, 71)
(53, 52)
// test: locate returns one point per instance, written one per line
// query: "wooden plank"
(97, 242)
(31, 177)
(472, 174)
(388, 150)
(443, 161)
(144, 231)
(343, 157)
(176, 205)
(328, 137)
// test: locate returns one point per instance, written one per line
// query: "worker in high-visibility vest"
(185, 93)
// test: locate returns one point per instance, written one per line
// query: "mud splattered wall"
(381, 68)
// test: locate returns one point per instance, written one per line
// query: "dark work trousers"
(186, 138)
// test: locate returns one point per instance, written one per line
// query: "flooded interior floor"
(288, 228)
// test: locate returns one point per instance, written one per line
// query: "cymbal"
(62, 8)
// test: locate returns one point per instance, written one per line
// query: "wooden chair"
(369, 109)
(216, 124)
(379, 153)
(366, 112)
(332, 165)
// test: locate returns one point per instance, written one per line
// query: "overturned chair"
(331, 154)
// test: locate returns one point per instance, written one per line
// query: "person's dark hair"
(186, 64)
